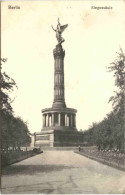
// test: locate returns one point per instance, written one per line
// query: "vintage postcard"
(63, 97)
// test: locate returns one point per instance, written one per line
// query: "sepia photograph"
(62, 97)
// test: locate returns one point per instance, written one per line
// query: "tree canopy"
(15, 132)
(110, 132)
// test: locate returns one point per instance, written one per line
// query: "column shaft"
(59, 99)
(59, 119)
(43, 120)
(47, 120)
(71, 120)
(75, 120)
(52, 119)
(65, 119)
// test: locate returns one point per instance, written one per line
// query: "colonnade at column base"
(54, 138)
(59, 128)
(59, 118)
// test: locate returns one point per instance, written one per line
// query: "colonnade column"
(75, 120)
(71, 122)
(65, 119)
(47, 120)
(59, 119)
(70, 119)
(44, 122)
(52, 119)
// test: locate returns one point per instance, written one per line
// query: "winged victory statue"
(59, 30)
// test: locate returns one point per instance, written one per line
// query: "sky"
(91, 41)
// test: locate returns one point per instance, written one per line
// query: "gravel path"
(62, 172)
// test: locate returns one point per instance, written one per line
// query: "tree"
(118, 67)
(21, 132)
(118, 100)
(7, 86)
(15, 132)
(110, 132)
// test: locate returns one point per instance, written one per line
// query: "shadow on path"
(31, 169)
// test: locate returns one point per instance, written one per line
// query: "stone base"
(58, 104)
(61, 138)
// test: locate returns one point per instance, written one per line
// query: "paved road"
(62, 172)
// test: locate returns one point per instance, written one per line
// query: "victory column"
(59, 122)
